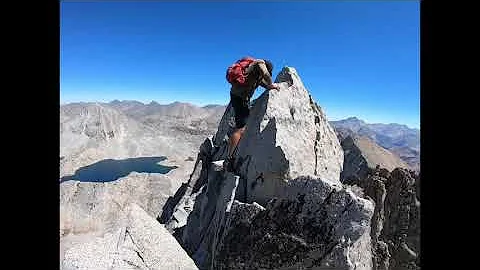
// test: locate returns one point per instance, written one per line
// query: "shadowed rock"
(316, 225)
(362, 155)
(179, 206)
(396, 220)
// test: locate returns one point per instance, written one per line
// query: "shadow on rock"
(109, 170)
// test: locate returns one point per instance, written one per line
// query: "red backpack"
(236, 72)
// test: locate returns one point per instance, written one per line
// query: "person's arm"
(269, 87)
(266, 80)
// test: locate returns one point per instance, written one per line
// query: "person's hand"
(274, 86)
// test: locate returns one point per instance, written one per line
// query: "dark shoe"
(218, 165)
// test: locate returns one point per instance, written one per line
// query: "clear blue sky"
(356, 58)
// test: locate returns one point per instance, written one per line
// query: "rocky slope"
(180, 118)
(395, 227)
(363, 155)
(399, 139)
(94, 207)
(92, 132)
(395, 189)
(409, 155)
(137, 242)
(284, 207)
(386, 135)
(108, 161)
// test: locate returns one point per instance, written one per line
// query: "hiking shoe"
(218, 165)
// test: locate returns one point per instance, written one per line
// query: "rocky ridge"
(284, 206)
(395, 226)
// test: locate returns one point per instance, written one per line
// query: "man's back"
(257, 74)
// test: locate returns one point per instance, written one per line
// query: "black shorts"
(241, 109)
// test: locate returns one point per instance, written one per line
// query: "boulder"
(287, 135)
(316, 225)
(139, 243)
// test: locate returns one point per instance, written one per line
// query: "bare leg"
(234, 139)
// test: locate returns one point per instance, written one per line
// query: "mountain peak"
(286, 171)
(353, 118)
(276, 119)
(153, 103)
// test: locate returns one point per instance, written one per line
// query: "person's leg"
(242, 112)
(234, 139)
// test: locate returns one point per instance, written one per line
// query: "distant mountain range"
(177, 109)
(399, 139)
(189, 119)
(177, 116)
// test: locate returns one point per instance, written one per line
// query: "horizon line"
(216, 104)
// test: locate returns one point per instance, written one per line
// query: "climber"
(245, 76)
